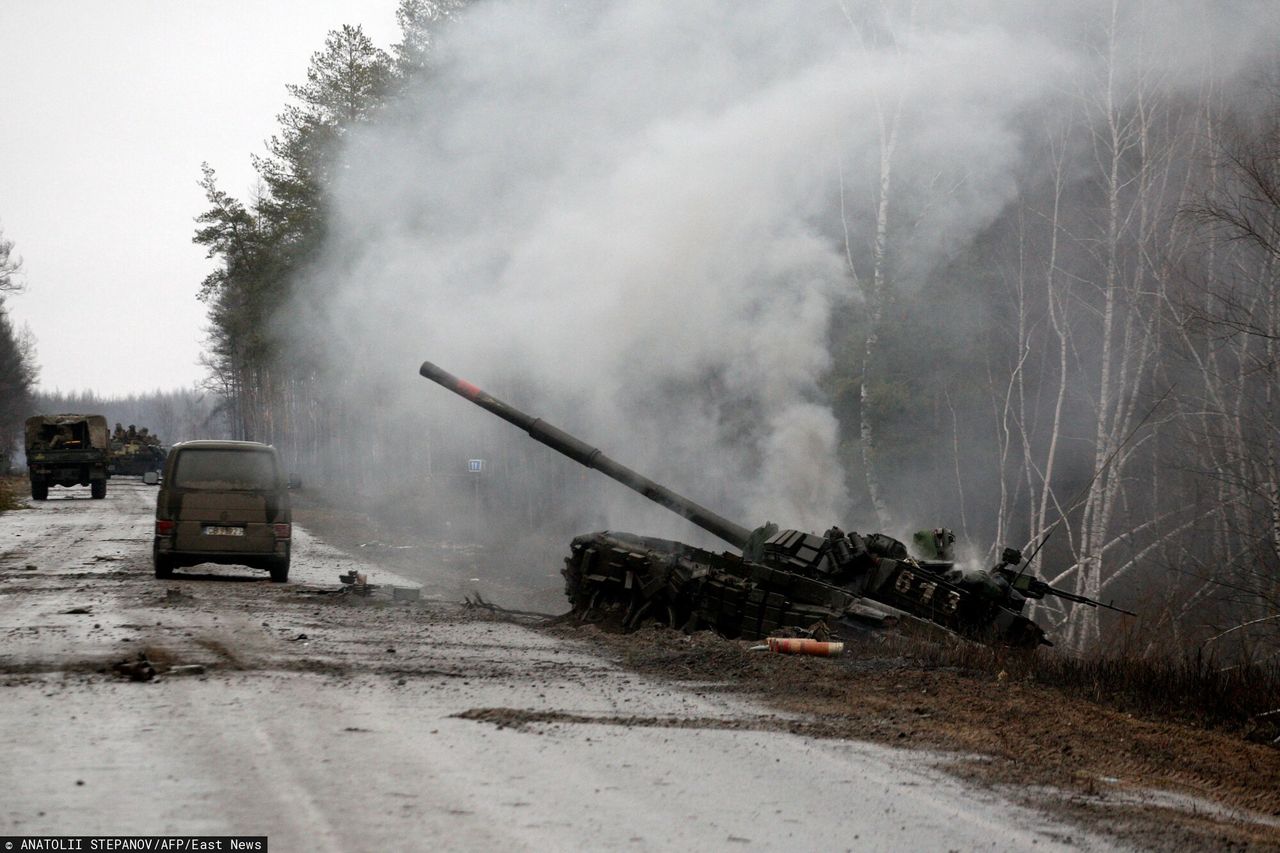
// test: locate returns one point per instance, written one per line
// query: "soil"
(1152, 782)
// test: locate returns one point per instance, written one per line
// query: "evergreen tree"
(17, 360)
(345, 84)
(419, 20)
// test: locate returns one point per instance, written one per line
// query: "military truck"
(67, 450)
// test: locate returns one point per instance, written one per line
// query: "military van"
(223, 502)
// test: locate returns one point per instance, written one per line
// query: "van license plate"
(216, 530)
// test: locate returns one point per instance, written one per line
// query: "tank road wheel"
(39, 490)
(98, 489)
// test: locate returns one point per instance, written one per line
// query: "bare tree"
(10, 267)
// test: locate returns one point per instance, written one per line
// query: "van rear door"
(225, 500)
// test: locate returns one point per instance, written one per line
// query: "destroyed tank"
(781, 579)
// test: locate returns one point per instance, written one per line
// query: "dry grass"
(12, 489)
(1194, 689)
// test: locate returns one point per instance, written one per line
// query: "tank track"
(644, 578)
(635, 579)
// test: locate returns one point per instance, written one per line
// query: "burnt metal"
(783, 579)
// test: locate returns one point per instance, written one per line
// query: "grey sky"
(106, 112)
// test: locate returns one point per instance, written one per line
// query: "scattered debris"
(384, 546)
(186, 669)
(800, 646)
(478, 603)
(358, 582)
(136, 669)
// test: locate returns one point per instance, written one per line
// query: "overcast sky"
(106, 112)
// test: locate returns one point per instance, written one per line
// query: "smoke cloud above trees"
(638, 210)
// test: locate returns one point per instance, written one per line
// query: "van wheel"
(39, 490)
(164, 567)
(98, 488)
(280, 572)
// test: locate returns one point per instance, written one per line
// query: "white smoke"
(640, 210)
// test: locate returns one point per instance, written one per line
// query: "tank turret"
(782, 578)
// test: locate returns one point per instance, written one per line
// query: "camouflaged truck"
(67, 450)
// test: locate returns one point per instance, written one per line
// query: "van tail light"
(164, 528)
(282, 531)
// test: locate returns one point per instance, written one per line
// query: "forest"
(868, 263)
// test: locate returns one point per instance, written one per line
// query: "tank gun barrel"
(583, 453)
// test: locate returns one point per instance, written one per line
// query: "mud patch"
(224, 653)
(522, 719)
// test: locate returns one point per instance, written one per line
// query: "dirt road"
(334, 722)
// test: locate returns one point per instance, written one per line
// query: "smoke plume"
(645, 218)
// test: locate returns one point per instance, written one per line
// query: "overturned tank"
(781, 578)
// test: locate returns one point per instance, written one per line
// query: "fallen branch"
(479, 603)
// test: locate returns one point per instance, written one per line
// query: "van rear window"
(226, 469)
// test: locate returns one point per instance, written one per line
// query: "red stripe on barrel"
(468, 390)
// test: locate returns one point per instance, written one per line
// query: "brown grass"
(12, 489)
(1242, 699)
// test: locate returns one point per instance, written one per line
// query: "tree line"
(18, 368)
(1103, 388)
(260, 248)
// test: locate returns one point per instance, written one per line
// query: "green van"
(223, 502)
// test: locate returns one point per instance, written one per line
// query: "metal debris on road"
(137, 669)
(186, 669)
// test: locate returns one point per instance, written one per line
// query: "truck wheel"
(280, 571)
(39, 490)
(98, 488)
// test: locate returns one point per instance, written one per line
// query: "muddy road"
(328, 721)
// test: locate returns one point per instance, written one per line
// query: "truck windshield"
(226, 469)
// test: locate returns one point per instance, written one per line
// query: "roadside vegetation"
(12, 489)
(17, 358)
(1193, 688)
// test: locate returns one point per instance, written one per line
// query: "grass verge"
(12, 487)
